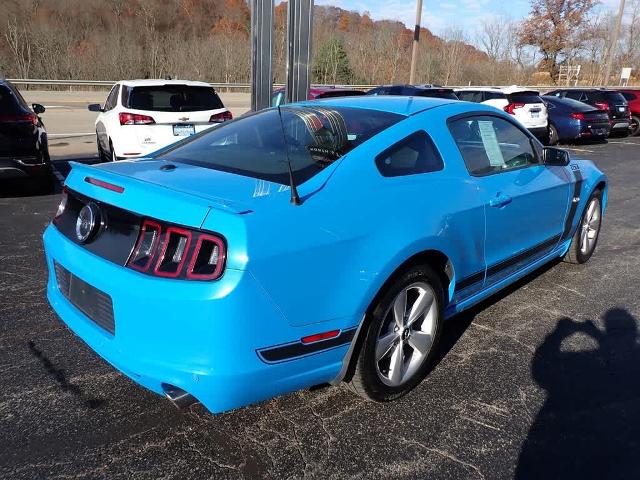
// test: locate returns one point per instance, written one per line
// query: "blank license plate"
(535, 114)
(183, 130)
(621, 109)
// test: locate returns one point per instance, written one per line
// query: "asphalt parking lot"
(541, 382)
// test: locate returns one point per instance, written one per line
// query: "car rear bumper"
(24, 166)
(618, 125)
(540, 132)
(135, 141)
(202, 337)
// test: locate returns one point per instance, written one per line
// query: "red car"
(633, 98)
(277, 97)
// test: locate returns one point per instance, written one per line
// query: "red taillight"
(208, 258)
(164, 251)
(512, 106)
(146, 246)
(103, 184)
(135, 119)
(601, 105)
(577, 115)
(27, 117)
(221, 117)
(321, 336)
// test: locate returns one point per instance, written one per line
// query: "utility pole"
(416, 39)
(614, 43)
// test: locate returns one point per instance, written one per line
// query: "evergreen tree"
(332, 63)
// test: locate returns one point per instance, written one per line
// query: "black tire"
(366, 380)
(575, 254)
(112, 153)
(553, 136)
(101, 153)
(634, 128)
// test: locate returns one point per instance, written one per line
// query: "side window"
(493, 95)
(470, 96)
(112, 99)
(491, 144)
(573, 95)
(412, 155)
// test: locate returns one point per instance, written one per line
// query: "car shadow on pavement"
(60, 376)
(589, 425)
(455, 327)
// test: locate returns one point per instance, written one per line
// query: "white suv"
(142, 116)
(525, 105)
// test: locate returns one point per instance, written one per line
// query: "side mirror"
(555, 157)
(37, 108)
(95, 107)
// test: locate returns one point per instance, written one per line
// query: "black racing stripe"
(290, 351)
(498, 267)
(568, 224)
(470, 280)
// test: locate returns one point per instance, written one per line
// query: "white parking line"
(580, 150)
(624, 143)
(69, 135)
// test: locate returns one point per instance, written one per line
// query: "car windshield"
(9, 103)
(570, 103)
(614, 98)
(255, 146)
(525, 97)
(171, 98)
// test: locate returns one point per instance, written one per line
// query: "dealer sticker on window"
(490, 142)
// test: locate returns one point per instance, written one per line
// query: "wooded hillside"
(209, 40)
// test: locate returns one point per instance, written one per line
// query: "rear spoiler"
(86, 178)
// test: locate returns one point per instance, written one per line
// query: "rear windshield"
(9, 103)
(340, 93)
(614, 98)
(171, 98)
(524, 97)
(437, 94)
(254, 145)
(570, 103)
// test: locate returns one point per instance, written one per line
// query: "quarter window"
(491, 144)
(112, 98)
(412, 155)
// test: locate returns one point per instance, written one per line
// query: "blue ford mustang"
(320, 242)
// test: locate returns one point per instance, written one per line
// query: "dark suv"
(607, 100)
(414, 91)
(24, 150)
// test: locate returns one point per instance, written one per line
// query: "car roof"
(159, 82)
(400, 104)
(505, 90)
(423, 86)
(325, 88)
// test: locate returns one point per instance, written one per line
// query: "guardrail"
(247, 86)
(108, 83)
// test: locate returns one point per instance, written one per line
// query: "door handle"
(500, 200)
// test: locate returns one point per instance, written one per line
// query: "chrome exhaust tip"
(178, 397)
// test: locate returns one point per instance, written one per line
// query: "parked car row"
(143, 116)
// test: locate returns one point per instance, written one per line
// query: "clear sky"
(438, 16)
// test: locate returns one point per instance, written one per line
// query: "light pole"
(614, 43)
(416, 39)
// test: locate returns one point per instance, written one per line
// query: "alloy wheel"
(590, 227)
(406, 334)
